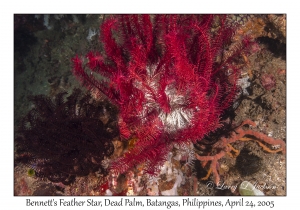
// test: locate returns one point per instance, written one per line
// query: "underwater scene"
(136, 105)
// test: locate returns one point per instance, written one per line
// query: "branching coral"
(171, 76)
(64, 138)
(224, 146)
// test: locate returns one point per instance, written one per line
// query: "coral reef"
(154, 70)
(64, 138)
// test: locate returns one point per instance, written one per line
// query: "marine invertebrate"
(64, 137)
(268, 81)
(171, 76)
(223, 146)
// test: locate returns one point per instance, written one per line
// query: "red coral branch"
(237, 135)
